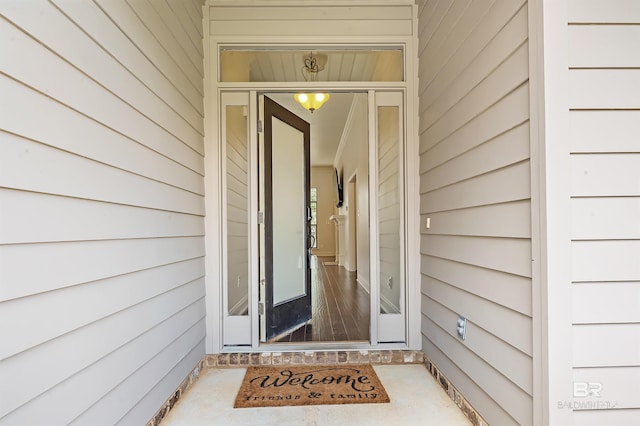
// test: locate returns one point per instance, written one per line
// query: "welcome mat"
(275, 386)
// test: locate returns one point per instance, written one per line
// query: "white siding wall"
(101, 192)
(296, 19)
(475, 187)
(604, 130)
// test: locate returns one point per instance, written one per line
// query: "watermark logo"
(587, 389)
(587, 397)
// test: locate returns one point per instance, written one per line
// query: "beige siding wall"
(259, 20)
(101, 187)
(604, 130)
(475, 188)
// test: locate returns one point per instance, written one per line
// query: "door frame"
(213, 227)
(352, 203)
(411, 261)
(377, 323)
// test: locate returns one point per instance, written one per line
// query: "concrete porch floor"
(416, 399)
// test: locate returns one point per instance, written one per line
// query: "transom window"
(247, 64)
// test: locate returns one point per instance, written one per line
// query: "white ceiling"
(327, 123)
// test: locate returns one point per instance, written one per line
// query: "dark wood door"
(287, 220)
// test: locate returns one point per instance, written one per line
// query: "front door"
(287, 295)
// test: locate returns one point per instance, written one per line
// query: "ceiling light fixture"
(313, 64)
(311, 101)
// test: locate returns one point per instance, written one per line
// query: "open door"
(287, 295)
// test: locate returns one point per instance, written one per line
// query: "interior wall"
(475, 185)
(354, 156)
(101, 239)
(323, 178)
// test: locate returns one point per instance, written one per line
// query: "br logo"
(586, 389)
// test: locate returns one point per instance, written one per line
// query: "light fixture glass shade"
(311, 101)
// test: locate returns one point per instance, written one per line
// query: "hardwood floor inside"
(340, 306)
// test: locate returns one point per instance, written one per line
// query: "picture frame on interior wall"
(339, 189)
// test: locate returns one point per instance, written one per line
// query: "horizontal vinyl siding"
(102, 192)
(604, 131)
(475, 188)
(256, 20)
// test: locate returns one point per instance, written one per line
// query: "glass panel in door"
(236, 181)
(389, 166)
